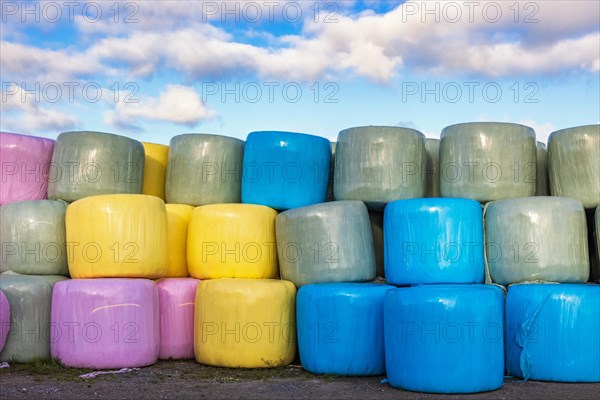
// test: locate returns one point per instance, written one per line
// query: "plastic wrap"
(328, 242)
(33, 237)
(376, 218)
(553, 331)
(245, 323)
(4, 319)
(330, 196)
(432, 171)
(176, 297)
(340, 328)
(94, 163)
(178, 218)
(595, 264)
(574, 164)
(204, 169)
(25, 164)
(30, 331)
(285, 170)
(379, 164)
(433, 241)
(542, 186)
(117, 236)
(536, 238)
(155, 169)
(487, 161)
(105, 323)
(232, 241)
(445, 338)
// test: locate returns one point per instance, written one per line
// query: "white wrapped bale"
(574, 164)
(487, 161)
(536, 239)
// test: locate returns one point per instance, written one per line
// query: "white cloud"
(542, 130)
(177, 104)
(30, 116)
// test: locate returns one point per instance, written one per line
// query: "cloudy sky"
(153, 70)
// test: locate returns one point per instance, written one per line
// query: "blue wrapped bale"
(284, 170)
(433, 241)
(553, 332)
(340, 328)
(328, 242)
(445, 338)
(379, 164)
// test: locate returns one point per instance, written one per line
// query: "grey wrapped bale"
(574, 164)
(327, 242)
(33, 237)
(536, 239)
(94, 163)
(204, 169)
(379, 164)
(487, 161)
(542, 185)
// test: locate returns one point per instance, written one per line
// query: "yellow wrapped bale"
(232, 241)
(117, 236)
(155, 169)
(245, 323)
(178, 217)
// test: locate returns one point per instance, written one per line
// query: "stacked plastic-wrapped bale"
(107, 316)
(444, 335)
(156, 157)
(32, 243)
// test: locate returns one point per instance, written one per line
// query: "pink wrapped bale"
(176, 298)
(25, 167)
(105, 323)
(4, 319)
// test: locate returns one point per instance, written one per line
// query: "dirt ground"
(187, 380)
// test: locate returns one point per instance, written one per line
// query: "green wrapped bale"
(574, 164)
(33, 237)
(204, 169)
(326, 242)
(542, 186)
(30, 299)
(536, 239)
(432, 179)
(487, 161)
(94, 163)
(379, 164)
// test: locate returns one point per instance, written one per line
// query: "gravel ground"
(186, 379)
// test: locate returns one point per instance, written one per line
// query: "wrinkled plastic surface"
(176, 297)
(4, 319)
(204, 169)
(328, 242)
(542, 184)
(155, 169)
(536, 238)
(436, 240)
(340, 328)
(232, 241)
(94, 163)
(487, 161)
(376, 218)
(33, 237)
(553, 332)
(432, 178)
(574, 164)
(105, 323)
(285, 170)
(29, 297)
(117, 236)
(245, 323)
(445, 338)
(379, 164)
(25, 167)
(178, 218)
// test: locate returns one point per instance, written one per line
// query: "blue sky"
(152, 70)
